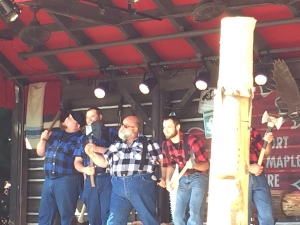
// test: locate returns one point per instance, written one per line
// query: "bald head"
(134, 120)
(129, 129)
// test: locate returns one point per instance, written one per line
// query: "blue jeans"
(97, 199)
(59, 195)
(137, 191)
(260, 194)
(191, 200)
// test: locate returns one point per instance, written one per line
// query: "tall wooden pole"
(228, 179)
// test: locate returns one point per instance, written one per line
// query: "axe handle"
(262, 151)
(261, 156)
(80, 218)
(92, 177)
(182, 172)
(54, 120)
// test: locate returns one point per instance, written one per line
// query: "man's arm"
(163, 173)
(96, 148)
(78, 164)
(255, 168)
(169, 173)
(268, 138)
(98, 159)
(41, 145)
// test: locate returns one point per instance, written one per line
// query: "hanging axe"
(185, 168)
(271, 122)
(79, 221)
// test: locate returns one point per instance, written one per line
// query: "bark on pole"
(228, 179)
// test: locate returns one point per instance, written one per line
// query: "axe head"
(275, 121)
(96, 129)
(192, 157)
(88, 129)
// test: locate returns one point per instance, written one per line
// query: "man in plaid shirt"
(132, 183)
(96, 199)
(259, 191)
(191, 193)
(62, 185)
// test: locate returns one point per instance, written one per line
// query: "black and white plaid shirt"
(124, 160)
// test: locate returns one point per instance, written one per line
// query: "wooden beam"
(135, 105)
(186, 99)
(231, 122)
(19, 166)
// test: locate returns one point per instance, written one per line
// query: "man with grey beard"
(131, 166)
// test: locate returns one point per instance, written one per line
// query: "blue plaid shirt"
(60, 147)
(108, 137)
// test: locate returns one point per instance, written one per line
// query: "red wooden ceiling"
(272, 37)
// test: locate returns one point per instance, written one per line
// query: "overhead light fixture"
(148, 83)
(133, 1)
(100, 90)
(202, 79)
(261, 69)
(9, 10)
(260, 74)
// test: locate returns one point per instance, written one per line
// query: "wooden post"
(228, 180)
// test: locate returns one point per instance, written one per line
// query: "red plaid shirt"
(256, 144)
(177, 156)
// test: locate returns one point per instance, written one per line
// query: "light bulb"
(260, 79)
(201, 85)
(144, 88)
(99, 92)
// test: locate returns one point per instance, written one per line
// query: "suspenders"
(144, 153)
(185, 148)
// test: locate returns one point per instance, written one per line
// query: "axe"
(271, 122)
(80, 221)
(93, 130)
(185, 168)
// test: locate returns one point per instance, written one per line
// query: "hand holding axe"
(271, 122)
(187, 166)
(93, 130)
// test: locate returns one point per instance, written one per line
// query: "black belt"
(192, 171)
(99, 170)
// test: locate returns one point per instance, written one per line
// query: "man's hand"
(45, 135)
(90, 148)
(170, 186)
(162, 183)
(89, 170)
(256, 169)
(268, 137)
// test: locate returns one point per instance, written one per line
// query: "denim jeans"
(59, 195)
(97, 199)
(191, 200)
(137, 191)
(260, 195)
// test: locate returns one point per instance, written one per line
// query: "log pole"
(228, 180)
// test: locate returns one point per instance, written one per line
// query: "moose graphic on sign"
(283, 165)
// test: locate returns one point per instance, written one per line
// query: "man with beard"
(62, 185)
(132, 170)
(191, 193)
(96, 199)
